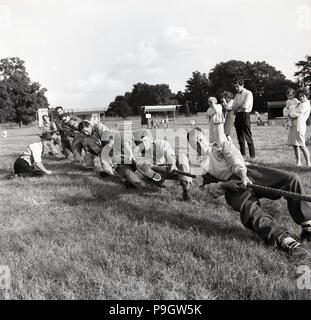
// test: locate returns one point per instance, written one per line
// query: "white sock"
(287, 241)
(306, 225)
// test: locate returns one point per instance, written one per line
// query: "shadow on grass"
(185, 221)
(112, 197)
(107, 193)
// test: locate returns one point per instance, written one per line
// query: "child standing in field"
(298, 126)
(227, 103)
(290, 106)
(216, 121)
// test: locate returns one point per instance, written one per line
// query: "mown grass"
(75, 236)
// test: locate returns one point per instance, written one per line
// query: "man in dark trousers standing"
(242, 106)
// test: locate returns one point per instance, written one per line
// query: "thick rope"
(281, 193)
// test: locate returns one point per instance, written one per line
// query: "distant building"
(88, 113)
(91, 114)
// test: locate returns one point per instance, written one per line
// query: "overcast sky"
(87, 52)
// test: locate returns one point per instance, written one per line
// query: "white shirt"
(32, 153)
(161, 152)
(222, 161)
(243, 101)
(98, 131)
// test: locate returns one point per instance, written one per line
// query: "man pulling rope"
(224, 170)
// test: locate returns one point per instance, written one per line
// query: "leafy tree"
(265, 82)
(222, 75)
(7, 112)
(144, 94)
(119, 107)
(19, 97)
(304, 74)
(197, 91)
(180, 97)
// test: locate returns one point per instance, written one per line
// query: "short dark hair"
(290, 90)
(45, 115)
(196, 128)
(64, 115)
(82, 125)
(46, 136)
(305, 91)
(239, 81)
(227, 95)
(59, 107)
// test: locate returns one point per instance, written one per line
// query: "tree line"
(266, 83)
(20, 98)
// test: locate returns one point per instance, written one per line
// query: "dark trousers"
(127, 173)
(66, 145)
(242, 125)
(24, 169)
(252, 215)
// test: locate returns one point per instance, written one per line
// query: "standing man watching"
(242, 106)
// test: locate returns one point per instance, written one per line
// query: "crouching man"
(67, 128)
(92, 139)
(226, 171)
(156, 161)
(29, 163)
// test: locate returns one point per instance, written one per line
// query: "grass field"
(63, 240)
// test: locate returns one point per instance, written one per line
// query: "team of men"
(138, 159)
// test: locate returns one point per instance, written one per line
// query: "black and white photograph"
(155, 151)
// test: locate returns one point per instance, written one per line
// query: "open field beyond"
(75, 236)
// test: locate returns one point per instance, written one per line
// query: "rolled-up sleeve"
(234, 158)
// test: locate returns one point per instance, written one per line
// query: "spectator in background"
(291, 104)
(242, 106)
(187, 109)
(226, 101)
(143, 119)
(195, 108)
(216, 121)
(166, 121)
(298, 128)
(258, 119)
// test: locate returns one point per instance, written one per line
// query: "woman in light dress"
(297, 131)
(226, 101)
(216, 121)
